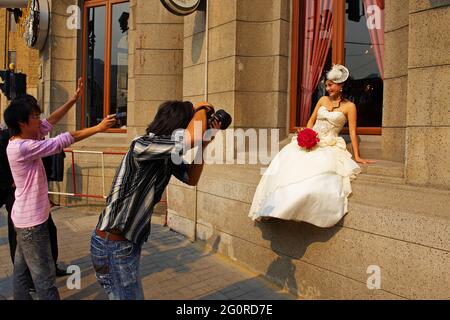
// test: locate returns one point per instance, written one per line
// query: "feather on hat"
(338, 74)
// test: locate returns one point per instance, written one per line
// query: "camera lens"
(223, 117)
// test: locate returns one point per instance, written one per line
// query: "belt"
(110, 236)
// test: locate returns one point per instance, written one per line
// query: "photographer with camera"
(140, 180)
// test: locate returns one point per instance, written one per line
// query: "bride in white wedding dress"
(313, 186)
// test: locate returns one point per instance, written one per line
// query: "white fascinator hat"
(338, 74)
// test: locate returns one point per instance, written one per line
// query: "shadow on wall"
(290, 240)
(58, 96)
(82, 187)
(58, 186)
(198, 38)
(439, 3)
(58, 93)
(78, 183)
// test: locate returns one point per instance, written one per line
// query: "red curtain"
(317, 35)
(374, 10)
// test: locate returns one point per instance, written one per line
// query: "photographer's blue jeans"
(33, 253)
(116, 265)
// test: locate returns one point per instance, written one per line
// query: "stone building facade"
(238, 57)
(14, 50)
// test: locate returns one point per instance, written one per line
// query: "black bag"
(6, 178)
(54, 166)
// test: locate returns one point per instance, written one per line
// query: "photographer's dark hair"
(171, 115)
(19, 110)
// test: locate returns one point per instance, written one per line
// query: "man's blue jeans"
(116, 265)
(33, 253)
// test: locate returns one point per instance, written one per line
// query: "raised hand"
(107, 123)
(365, 161)
(61, 111)
(79, 91)
(215, 124)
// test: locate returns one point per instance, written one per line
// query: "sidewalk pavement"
(172, 267)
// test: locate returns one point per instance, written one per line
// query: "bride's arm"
(352, 116)
(313, 118)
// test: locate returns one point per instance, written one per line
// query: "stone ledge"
(425, 230)
(381, 185)
(252, 173)
(384, 168)
(391, 193)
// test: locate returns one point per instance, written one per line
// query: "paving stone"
(172, 267)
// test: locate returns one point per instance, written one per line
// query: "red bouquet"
(307, 138)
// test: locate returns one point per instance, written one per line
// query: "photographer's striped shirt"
(139, 184)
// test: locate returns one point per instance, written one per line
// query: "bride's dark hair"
(346, 90)
(346, 93)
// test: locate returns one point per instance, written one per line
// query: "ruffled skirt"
(311, 186)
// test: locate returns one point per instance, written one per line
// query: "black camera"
(220, 116)
(121, 115)
(121, 119)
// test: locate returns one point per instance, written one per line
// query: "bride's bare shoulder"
(348, 105)
(323, 99)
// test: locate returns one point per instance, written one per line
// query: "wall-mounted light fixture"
(184, 7)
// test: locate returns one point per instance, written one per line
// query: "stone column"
(428, 113)
(3, 37)
(396, 79)
(155, 65)
(155, 62)
(247, 60)
(262, 64)
(59, 60)
(247, 75)
(3, 58)
(59, 65)
(3, 55)
(182, 199)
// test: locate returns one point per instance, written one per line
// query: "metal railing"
(74, 183)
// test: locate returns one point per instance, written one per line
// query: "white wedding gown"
(310, 186)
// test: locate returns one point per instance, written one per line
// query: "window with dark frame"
(356, 40)
(105, 61)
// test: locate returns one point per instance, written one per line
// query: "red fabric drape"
(317, 36)
(374, 10)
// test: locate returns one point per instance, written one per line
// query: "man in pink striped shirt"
(31, 207)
